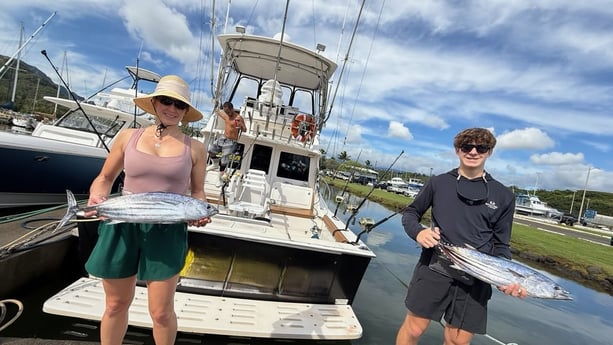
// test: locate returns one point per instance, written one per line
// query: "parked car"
(382, 185)
(568, 219)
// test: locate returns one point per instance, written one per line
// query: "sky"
(538, 74)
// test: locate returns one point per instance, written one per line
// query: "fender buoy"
(303, 127)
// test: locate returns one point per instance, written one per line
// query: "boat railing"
(276, 122)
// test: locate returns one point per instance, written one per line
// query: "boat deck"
(219, 315)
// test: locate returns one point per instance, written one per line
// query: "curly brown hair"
(478, 136)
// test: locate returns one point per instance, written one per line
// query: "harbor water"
(379, 304)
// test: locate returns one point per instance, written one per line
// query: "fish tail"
(70, 211)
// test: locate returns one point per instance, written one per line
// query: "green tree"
(343, 156)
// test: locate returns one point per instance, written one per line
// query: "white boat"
(397, 185)
(532, 205)
(275, 262)
(68, 153)
(24, 121)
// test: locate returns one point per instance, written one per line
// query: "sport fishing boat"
(275, 262)
(68, 153)
(532, 205)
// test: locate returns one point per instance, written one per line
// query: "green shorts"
(152, 251)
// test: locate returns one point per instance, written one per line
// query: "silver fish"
(153, 208)
(500, 271)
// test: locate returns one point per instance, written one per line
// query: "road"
(577, 231)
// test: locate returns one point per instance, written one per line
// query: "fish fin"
(515, 273)
(72, 209)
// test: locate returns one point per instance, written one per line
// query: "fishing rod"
(346, 184)
(371, 190)
(368, 228)
(74, 98)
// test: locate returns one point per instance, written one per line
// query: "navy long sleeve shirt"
(484, 225)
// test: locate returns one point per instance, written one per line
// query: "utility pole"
(584, 189)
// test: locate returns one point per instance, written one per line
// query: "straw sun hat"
(174, 87)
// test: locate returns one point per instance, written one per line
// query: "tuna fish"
(500, 271)
(154, 208)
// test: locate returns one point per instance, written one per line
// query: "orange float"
(303, 127)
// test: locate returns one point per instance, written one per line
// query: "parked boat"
(26, 122)
(532, 205)
(68, 153)
(275, 262)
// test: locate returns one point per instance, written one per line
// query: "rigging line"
(371, 190)
(281, 41)
(340, 77)
(314, 30)
(255, 4)
(372, 43)
(346, 182)
(212, 33)
(340, 38)
(25, 44)
(44, 52)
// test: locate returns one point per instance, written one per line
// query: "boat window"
(76, 120)
(260, 159)
(294, 166)
(303, 100)
(245, 91)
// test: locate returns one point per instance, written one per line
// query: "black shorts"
(432, 295)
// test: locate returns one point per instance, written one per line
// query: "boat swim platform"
(218, 315)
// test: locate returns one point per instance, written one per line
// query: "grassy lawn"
(588, 263)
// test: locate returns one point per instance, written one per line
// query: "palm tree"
(343, 156)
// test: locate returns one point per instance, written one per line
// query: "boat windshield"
(104, 126)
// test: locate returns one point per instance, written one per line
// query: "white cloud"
(398, 130)
(557, 158)
(527, 139)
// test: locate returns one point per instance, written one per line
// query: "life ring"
(303, 127)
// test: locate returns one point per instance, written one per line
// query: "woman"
(156, 158)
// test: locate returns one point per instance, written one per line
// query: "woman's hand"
(199, 222)
(94, 199)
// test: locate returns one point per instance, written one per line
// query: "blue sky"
(539, 74)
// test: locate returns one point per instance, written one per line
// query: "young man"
(226, 143)
(469, 207)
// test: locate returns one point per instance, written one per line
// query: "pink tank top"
(149, 173)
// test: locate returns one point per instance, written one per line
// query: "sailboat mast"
(59, 83)
(25, 44)
(17, 65)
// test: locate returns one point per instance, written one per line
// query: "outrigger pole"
(25, 44)
(371, 190)
(44, 52)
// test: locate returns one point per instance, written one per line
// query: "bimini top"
(257, 56)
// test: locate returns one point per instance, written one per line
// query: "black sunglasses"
(469, 186)
(466, 148)
(169, 101)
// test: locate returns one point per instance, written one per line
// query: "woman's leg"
(162, 309)
(119, 295)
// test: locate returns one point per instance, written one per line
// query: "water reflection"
(380, 300)
(379, 305)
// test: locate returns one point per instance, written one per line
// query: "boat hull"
(39, 173)
(240, 268)
(25, 268)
